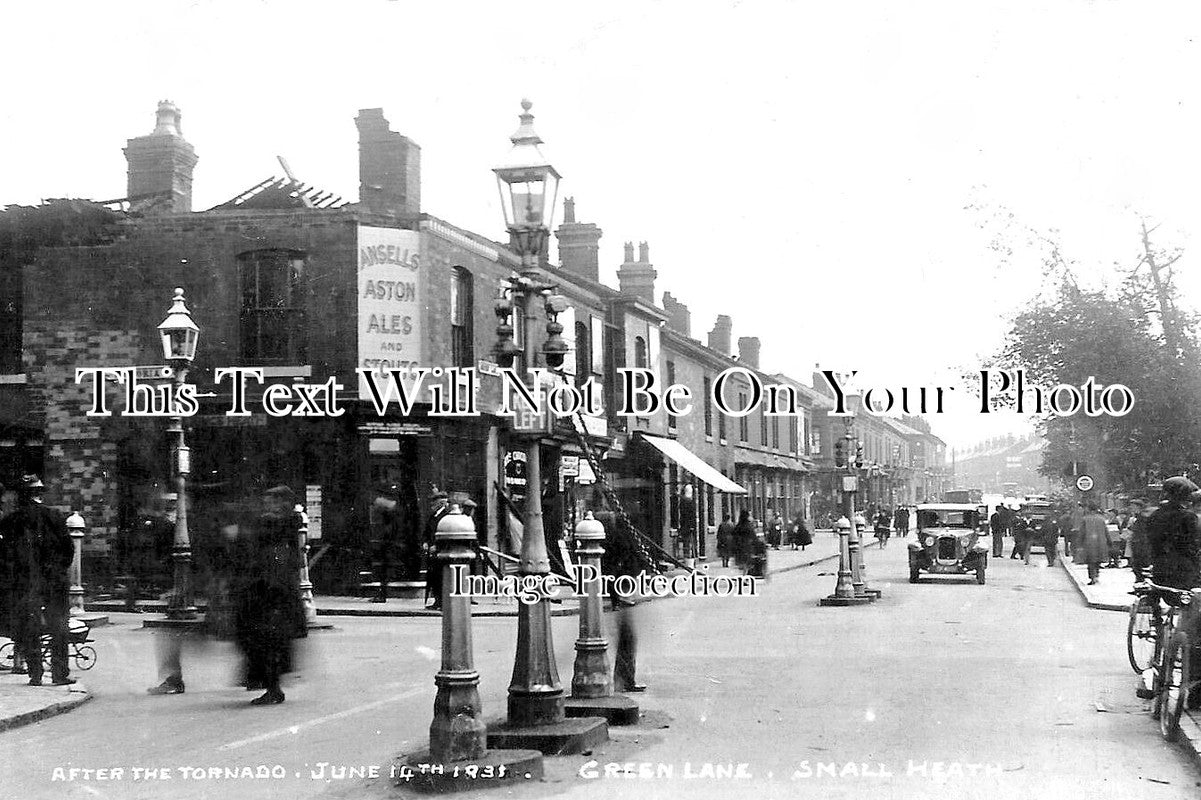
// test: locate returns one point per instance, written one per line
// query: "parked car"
(947, 541)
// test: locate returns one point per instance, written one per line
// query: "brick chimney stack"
(679, 317)
(579, 244)
(162, 161)
(637, 278)
(748, 351)
(389, 167)
(719, 337)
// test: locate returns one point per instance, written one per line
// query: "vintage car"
(947, 535)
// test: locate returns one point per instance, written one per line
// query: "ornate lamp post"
(844, 589)
(179, 336)
(528, 187)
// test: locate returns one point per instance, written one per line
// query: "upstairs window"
(461, 306)
(583, 353)
(671, 379)
(744, 433)
(273, 313)
(639, 352)
(708, 389)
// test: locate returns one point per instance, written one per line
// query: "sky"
(835, 177)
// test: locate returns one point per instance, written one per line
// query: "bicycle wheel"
(85, 657)
(1140, 635)
(8, 654)
(1175, 688)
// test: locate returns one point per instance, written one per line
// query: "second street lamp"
(528, 187)
(179, 336)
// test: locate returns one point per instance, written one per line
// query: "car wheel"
(980, 576)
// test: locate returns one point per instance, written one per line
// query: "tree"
(1134, 335)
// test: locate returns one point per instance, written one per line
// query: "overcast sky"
(830, 175)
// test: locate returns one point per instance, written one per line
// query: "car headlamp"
(1186, 598)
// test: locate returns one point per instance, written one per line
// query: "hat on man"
(1179, 487)
(282, 492)
(439, 495)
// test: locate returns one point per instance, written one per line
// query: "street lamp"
(847, 472)
(179, 335)
(528, 187)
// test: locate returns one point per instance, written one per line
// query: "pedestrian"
(743, 540)
(725, 539)
(800, 533)
(439, 508)
(1140, 556)
(621, 557)
(996, 524)
(269, 614)
(1050, 537)
(775, 529)
(384, 519)
(8, 504)
(1094, 541)
(900, 521)
(39, 552)
(1021, 535)
(1113, 532)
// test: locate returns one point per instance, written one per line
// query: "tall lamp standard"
(528, 188)
(179, 335)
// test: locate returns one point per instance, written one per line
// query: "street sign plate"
(1084, 483)
(850, 483)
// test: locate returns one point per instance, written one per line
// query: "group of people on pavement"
(35, 554)
(747, 545)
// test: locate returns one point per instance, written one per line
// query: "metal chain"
(639, 539)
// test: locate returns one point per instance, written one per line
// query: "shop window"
(273, 314)
(461, 309)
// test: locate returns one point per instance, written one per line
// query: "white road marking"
(312, 723)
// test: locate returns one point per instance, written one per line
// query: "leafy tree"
(1135, 335)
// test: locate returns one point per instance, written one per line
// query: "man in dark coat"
(269, 614)
(1174, 537)
(743, 540)
(996, 523)
(384, 519)
(623, 558)
(39, 551)
(1140, 558)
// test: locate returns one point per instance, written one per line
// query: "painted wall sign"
(390, 301)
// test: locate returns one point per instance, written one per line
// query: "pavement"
(22, 704)
(1111, 592)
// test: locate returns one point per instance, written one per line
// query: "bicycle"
(1170, 673)
(78, 648)
(1143, 629)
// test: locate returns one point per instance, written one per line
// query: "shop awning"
(693, 463)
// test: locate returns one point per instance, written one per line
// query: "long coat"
(1174, 544)
(269, 613)
(37, 551)
(1094, 540)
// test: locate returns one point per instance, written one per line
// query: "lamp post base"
(854, 600)
(424, 773)
(556, 739)
(617, 709)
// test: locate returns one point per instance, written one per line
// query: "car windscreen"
(946, 519)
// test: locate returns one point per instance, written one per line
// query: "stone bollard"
(75, 527)
(592, 681)
(458, 736)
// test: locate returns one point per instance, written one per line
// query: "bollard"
(75, 527)
(857, 569)
(306, 584)
(592, 683)
(458, 750)
(457, 733)
(844, 588)
(591, 677)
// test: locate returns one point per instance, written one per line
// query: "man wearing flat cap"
(39, 552)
